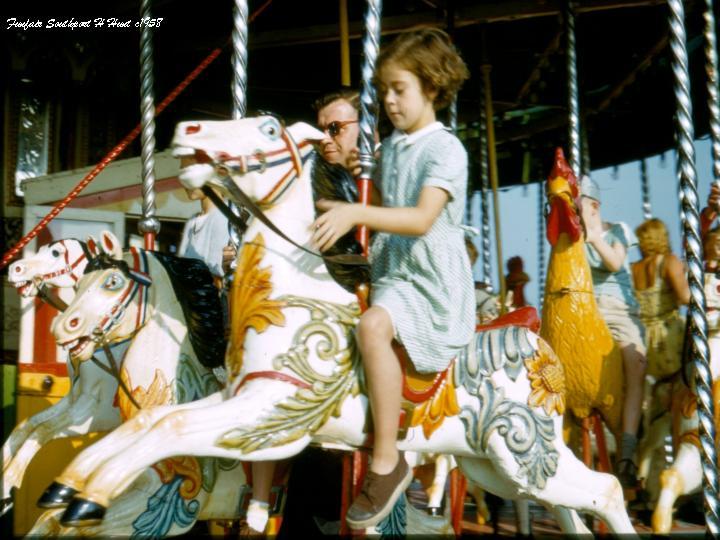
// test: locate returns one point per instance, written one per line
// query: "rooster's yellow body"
(571, 321)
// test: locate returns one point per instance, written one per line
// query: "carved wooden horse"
(293, 364)
(168, 312)
(684, 476)
(88, 406)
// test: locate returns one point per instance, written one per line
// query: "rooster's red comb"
(562, 169)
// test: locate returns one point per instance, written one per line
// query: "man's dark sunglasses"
(334, 128)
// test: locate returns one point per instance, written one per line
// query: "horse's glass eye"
(55, 253)
(271, 128)
(114, 282)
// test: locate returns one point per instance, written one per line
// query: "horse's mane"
(199, 299)
(334, 182)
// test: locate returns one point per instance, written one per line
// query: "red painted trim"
(526, 317)
(275, 375)
(405, 364)
(52, 368)
(123, 194)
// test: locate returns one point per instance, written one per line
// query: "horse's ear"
(110, 245)
(301, 131)
(92, 245)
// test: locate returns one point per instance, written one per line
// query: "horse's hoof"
(434, 511)
(82, 513)
(5, 505)
(56, 496)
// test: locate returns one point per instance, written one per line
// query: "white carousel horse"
(487, 309)
(293, 365)
(657, 421)
(59, 264)
(88, 406)
(684, 476)
(168, 311)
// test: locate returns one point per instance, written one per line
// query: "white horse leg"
(149, 508)
(572, 485)
(653, 440)
(120, 439)
(83, 416)
(193, 432)
(569, 520)
(25, 441)
(483, 474)
(684, 477)
(24, 429)
(436, 491)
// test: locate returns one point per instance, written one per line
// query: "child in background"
(661, 288)
(417, 251)
(606, 247)
(205, 235)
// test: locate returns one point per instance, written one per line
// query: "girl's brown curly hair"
(653, 238)
(432, 57)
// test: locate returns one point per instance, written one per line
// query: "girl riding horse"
(419, 249)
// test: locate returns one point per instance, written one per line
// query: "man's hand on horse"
(338, 218)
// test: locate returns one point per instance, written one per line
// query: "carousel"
(143, 388)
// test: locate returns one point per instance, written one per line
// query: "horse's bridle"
(226, 165)
(258, 161)
(69, 267)
(138, 282)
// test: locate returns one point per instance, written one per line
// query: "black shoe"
(626, 472)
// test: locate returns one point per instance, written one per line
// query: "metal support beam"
(485, 12)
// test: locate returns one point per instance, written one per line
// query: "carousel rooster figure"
(571, 322)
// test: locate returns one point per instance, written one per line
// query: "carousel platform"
(689, 522)
(543, 525)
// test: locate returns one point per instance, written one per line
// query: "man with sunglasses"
(338, 117)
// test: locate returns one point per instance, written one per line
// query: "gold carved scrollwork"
(158, 393)
(441, 405)
(250, 302)
(303, 413)
(186, 466)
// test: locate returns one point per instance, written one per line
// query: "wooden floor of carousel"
(688, 522)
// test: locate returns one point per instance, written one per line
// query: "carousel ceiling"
(625, 78)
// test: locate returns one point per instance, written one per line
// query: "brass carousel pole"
(149, 225)
(485, 193)
(699, 353)
(492, 159)
(574, 156)
(344, 45)
(239, 106)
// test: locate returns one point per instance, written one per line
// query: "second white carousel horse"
(168, 311)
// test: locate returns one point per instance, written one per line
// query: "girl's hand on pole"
(353, 163)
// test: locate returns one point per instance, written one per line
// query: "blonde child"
(661, 288)
(422, 290)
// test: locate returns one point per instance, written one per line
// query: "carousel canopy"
(624, 72)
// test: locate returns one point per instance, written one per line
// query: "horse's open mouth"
(76, 346)
(22, 287)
